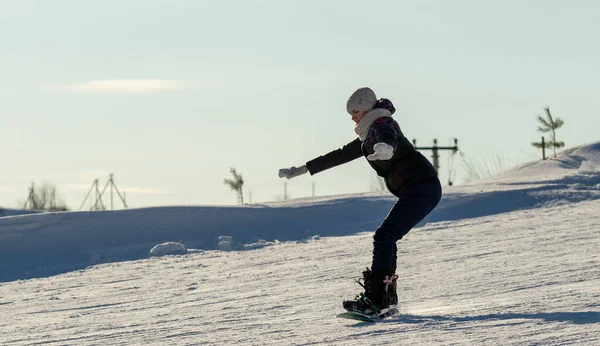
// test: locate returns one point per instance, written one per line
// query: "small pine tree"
(549, 124)
(236, 184)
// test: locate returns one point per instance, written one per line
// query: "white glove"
(383, 151)
(292, 172)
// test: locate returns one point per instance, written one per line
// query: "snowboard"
(353, 315)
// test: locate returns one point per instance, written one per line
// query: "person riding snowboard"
(408, 175)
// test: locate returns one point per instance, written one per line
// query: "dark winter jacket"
(407, 166)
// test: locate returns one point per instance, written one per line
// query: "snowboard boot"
(376, 299)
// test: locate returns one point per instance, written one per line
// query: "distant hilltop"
(15, 212)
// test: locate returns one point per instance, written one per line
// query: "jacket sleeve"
(347, 153)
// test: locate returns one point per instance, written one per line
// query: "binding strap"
(388, 280)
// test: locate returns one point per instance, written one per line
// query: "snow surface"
(168, 248)
(511, 260)
(13, 212)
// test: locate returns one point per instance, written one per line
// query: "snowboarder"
(408, 175)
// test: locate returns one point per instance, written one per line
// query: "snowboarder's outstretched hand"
(292, 172)
(383, 151)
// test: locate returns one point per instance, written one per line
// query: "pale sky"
(168, 95)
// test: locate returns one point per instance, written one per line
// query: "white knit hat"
(362, 99)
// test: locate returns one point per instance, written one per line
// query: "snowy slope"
(14, 212)
(509, 260)
(46, 244)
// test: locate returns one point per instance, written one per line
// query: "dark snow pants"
(415, 201)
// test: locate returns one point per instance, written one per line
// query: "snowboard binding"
(377, 302)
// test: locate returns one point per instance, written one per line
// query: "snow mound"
(587, 167)
(168, 248)
(567, 162)
(225, 243)
(261, 243)
(41, 245)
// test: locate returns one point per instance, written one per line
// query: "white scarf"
(363, 126)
